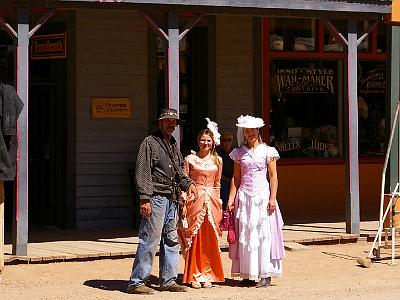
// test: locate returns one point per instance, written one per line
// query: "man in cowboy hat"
(159, 180)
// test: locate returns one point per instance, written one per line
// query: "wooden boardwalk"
(64, 245)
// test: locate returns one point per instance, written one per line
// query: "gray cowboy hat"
(169, 113)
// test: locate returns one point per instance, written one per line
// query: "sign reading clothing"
(48, 46)
(111, 108)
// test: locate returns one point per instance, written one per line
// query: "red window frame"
(267, 55)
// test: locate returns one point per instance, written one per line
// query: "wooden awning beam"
(8, 28)
(42, 20)
(370, 28)
(190, 25)
(332, 29)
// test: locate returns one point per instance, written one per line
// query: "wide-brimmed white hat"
(249, 122)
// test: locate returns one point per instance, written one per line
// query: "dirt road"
(320, 272)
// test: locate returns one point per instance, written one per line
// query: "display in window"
(292, 34)
(332, 43)
(371, 107)
(304, 108)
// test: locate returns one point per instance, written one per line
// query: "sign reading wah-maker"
(111, 108)
(49, 46)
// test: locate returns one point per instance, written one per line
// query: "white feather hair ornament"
(214, 129)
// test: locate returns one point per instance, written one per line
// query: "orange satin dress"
(200, 241)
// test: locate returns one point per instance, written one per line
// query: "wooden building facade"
(284, 61)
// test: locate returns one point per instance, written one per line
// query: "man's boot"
(140, 289)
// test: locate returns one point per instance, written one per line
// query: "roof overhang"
(315, 5)
(305, 8)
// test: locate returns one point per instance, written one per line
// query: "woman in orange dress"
(200, 239)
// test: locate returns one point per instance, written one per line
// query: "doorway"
(47, 143)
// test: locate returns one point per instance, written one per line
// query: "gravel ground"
(319, 272)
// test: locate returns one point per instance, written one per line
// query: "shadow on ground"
(121, 285)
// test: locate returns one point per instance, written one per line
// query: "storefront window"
(6, 58)
(304, 108)
(292, 34)
(371, 107)
(381, 40)
(363, 27)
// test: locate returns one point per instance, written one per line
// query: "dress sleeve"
(272, 154)
(186, 166)
(234, 154)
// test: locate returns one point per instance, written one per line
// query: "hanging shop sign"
(49, 46)
(372, 78)
(111, 108)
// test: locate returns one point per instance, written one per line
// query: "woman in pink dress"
(200, 240)
(258, 250)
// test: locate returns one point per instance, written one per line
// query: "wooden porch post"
(173, 38)
(173, 66)
(351, 115)
(20, 224)
(392, 98)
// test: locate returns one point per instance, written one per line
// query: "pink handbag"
(224, 225)
(228, 223)
(231, 234)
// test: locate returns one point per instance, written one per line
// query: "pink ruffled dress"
(259, 248)
(199, 241)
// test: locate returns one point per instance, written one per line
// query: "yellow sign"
(395, 10)
(111, 108)
(49, 46)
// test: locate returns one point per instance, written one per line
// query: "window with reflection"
(331, 41)
(6, 58)
(371, 107)
(292, 34)
(362, 27)
(304, 108)
(381, 38)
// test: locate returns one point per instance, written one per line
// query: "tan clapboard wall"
(111, 61)
(234, 69)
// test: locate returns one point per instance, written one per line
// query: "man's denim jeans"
(160, 229)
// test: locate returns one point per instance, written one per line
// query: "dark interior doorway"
(47, 156)
(48, 141)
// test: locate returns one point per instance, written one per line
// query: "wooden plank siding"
(234, 69)
(111, 61)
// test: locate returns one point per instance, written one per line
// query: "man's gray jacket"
(155, 172)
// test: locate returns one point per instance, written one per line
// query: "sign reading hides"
(111, 108)
(48, 46)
